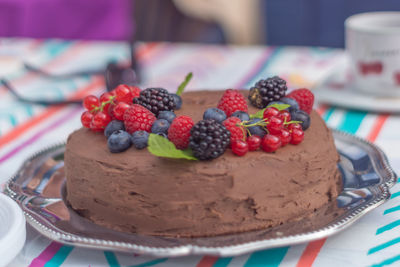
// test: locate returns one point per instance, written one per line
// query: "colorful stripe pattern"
(25, 129)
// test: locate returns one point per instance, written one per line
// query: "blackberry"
(208, 139)
(266, 91)
(155, 100)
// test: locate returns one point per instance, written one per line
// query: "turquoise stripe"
(384, 245)
(395, 194)
(387, 261)
(12, 119)
(262, 72)
(388, 227)
(59, 257)
(111, 259)
(267, 258)
(29, 110)
(352, 121)
(397, 208)
(222, 262)
(150, 263)
(54, 48)
(328, 114)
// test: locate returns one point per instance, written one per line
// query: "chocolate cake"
(135, 191)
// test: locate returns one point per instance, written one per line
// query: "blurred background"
(241, 22)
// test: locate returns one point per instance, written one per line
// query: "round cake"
(135, 191)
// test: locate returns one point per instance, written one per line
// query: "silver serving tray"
(38, 187)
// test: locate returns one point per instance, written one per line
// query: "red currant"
(275, 125)
(284, 115)
(254, 142)
(285, 137)
(297, 136)
(119, 110)
(91, 102)
(293, 126)
(270, 112)
(239, 147)
(123, 93)
(100, 120)
(106, 97)
(86, 118)
(271, 143)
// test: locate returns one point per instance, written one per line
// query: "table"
(24, 129)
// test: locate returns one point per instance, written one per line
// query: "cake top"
(129, 116)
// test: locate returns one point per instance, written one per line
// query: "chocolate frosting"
(135, 191)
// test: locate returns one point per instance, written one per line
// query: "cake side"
(135, 191)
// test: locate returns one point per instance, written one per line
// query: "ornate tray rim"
(50, 231)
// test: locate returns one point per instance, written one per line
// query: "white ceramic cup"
(373, 45)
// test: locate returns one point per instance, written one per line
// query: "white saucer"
(338, 90)
(12, 229)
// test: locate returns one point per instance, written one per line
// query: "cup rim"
(357, 22)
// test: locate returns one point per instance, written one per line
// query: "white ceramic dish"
(12, 229)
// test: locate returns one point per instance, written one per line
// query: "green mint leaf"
(279, 106)
(184, 83)
(260, 113)
(162, 147)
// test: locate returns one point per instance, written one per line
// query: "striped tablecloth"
(24, 129)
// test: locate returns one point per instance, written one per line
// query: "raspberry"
(138, 118)
(232, 101)
(208, 139)
(266, 91)
(135, 91)
(179, 131)
(237, 132)
(304, 97)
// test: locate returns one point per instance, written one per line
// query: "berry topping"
(232, 124)
(119, 109)
(91, 102)
(114, 126)
(155, 100)
(119, 141)
(179, 131)
(135, 92)
(256, 129)
(274, 125)
(177, 101)
(239, 147)
(231, 101)
(304, 97)
(140, 139)
(303, 117)
(160, 127)
(285, 136)
(209, 139)
(138, 118)
(284, 115)
(166, 115)
(123, 93)
(243, 116)
(100, 121)
(254, 142)
(86, 119)
(271, 143)
(266, 91)
(270, 112)
(297, 136)
(214, 114)
(290, 101)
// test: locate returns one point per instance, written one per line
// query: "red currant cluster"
(110, 105)
(281, 130)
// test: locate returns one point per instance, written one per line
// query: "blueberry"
(119, 141)
(166, 115)
(178, 101)
(243, 116)
(300, 115)
(290, 101)
(256, 130)
(160, 126)
(113, 126)
(139, 139)
(214, 114)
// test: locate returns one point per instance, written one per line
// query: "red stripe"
(377, 127)
(310, 253)
(207, 261)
